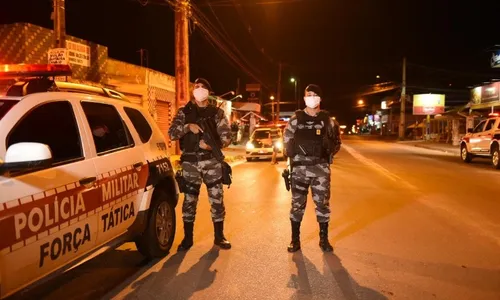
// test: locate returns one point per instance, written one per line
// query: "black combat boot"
(295, 243)
(187, 242)
(219, 239)
(324, 244)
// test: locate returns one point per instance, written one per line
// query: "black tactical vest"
(310, 133)
(190, 142)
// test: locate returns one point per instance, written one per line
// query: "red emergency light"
(33, 70)
(493, 115)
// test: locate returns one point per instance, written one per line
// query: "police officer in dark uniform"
(198, 162)
(311, 139)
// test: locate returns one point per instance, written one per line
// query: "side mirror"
(470, 130)
(26, 156)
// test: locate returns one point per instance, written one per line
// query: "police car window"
(54, 125)
(489, 125)
(5, 106)
(261, 134)
(140, 123)
(479, 127)
(108, 129)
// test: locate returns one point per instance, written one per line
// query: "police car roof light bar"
(33, 70)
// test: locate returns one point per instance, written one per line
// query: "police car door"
(486, 135)
(46, 216)
(475, 138)
(121, 168)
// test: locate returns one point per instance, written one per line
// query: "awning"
(420, 125)
(247, 116)
(246, 106)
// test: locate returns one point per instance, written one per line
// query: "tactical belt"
(196, 157)
(313, 162)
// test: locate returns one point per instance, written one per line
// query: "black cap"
(204, 82)
(314, 88)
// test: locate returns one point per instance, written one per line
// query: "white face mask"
(200, 94)
(312, 101)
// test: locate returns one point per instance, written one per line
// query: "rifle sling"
(196, 157)
(309, 163)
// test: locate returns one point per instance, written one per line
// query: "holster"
(180, 181)
(286, 177)
(227, 174)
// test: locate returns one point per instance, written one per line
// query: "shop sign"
(495, 59)
(78, 54)
(428, 104)
(58, 56)
(489, 93)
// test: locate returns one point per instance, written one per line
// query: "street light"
(294, 81)
(228, 93)
(378, 76)
(272, 106)
(236, 97)
(361, 102)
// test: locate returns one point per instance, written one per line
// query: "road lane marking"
(469, 219)
(383, 171)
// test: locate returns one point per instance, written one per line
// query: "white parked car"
(262, 143)
(483, 141)
(81, 169)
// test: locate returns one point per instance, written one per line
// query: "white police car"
(483, 141)
(81, 169)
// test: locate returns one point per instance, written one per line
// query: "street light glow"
(378, 76)
(361, 102)
(272, 97)
(292, 79)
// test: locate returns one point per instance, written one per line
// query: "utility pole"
(278, 94)
(294, 81)
(402, 115)
(59, 18)
(181, 55)
(144, 59)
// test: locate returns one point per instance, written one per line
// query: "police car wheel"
(158, 237)
(495, 157)
(465, 155)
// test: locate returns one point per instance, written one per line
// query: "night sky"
(340, 45)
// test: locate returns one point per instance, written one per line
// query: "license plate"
(262, 151)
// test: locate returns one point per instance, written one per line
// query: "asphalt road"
(407, 223)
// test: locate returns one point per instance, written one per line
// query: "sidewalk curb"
(454, 152)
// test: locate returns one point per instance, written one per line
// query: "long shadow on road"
(347, 287)
(168, 284)
(91, 280)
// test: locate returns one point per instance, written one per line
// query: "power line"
(202, 19)
(248, 28)
(205, 26)
(228, 3)
(463, 73)
(213, 37)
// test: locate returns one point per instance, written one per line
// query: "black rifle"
(331, 142)
(212, 139)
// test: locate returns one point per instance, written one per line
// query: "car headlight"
(278, 145)
(250, 146)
